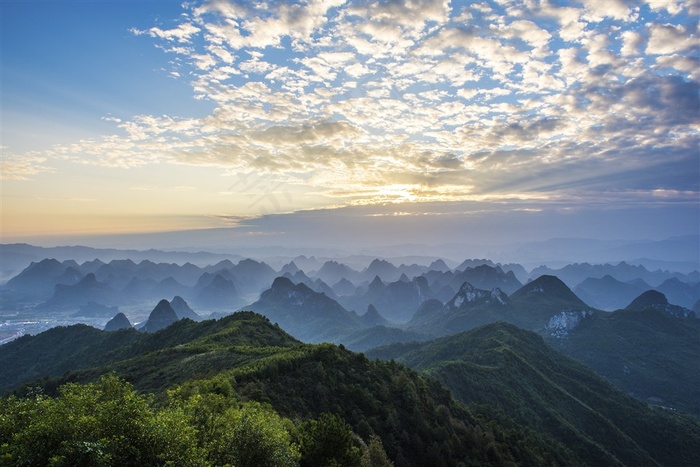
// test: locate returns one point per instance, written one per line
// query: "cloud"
(22, 167)
(371, 102)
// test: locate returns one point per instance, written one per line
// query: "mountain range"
(496, 395)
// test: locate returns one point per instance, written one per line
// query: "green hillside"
(235, 362)
(647, 353)
(514, 371)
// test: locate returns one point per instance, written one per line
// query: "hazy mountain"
(161, 317)
(182, 309)
(382, 269)
(574, 274)
(658, 301)
(438, 265)
(308, 315)
(96, 310)
(89, 289)
(397, 301)
(373, 318)
(119, 321)
(38, 279)
(332, 272)
(531, 307)
(608, 293)
(487, 277)
(343, 288)
(680, 293)
(217, 292)
(290, 268)
(516, 372)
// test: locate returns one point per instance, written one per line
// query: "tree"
(328, 441)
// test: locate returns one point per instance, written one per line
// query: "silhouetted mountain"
(487, 277)
(607, 293)
(218, 293)
(332, 272)
(438, 265)
(381, 268)
(89, 289)
(516, 372)
(343, 287)
(182, 309)
(680, 293)
(139, 289)
(120, 321)
(167, 287)
(469, 308)
(290, 268)
(38, 279)
(474, 263)
(309, 316)
(531, 307)
(574, 274)
(428, 313)
(656, 300)
(373, 318)
(251, 277)
(161, 317)
(648, 299)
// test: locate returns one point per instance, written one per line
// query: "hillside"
(417, 420)
(516, 372)
(646, 352)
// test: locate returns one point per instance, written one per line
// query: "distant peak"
(648, 299)
(282, 283)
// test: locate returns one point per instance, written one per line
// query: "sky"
(354, 122)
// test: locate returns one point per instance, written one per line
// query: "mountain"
(381, 268)
(218, 293)
(161, 317)
(679, 292)
(96, 310)
(343, 287)
(516, 372)
(574, 274)
(649, 350)
(118, 322)
(332, 272)
(182, 309)
(608, 293)
(539, 300)
(89, 289)
(416, 419)
(487, 277)
(308, 315)
(373, 318)
(532, 307)
(38, 278)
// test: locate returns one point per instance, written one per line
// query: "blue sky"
(532, 117)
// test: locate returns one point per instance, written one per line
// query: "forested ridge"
(240, 391)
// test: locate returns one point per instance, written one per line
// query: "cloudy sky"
(307, 121)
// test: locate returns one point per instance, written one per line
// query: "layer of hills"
(512, 400)
(64, 285)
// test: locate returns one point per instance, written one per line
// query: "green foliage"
(515, 371)
(374, 455)
(647, 353)
(100, 424)
(328, 441)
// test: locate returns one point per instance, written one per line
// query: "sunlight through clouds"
(372, 102)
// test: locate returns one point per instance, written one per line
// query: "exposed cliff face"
(562, 323)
